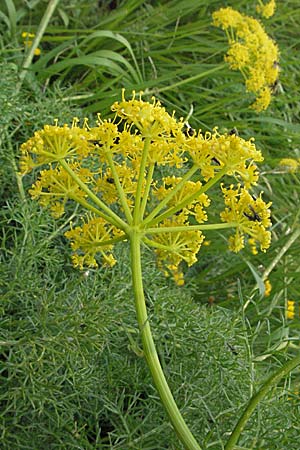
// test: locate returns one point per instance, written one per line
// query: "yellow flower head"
(55, 186)
(266, 10)
(213, 152)
(119, 170)
(92, 238)
(173, 248)
(52, 144)
(252, 52)
(151, 119)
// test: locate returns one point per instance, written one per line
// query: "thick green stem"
(273, 380)
(150, 352)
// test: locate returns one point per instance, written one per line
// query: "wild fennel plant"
(113, 170)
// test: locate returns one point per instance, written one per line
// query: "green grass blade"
(12, 17)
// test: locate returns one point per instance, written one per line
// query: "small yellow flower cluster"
(173, 248)
(92, 238)
(28, 42)
(194, 208)
(212, 152)
(266, 10)
(290, 309)
(252, 216)
(53, 144)
(268, 287)
(117, 171)
(252, 52)
(290, 164)
(55, 186)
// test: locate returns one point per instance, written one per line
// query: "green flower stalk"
(113, 171)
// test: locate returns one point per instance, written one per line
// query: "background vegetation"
(72, 375)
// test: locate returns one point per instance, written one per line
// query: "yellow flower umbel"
(252, 52)
(27, 41)
(266, 10)
(111, 171)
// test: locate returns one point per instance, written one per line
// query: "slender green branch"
(171, 194)
(272, 381)
(138, 194)
(188, 199)
(92, 208)
(119, 188)
(110, 241)
(203, 227)
(150, 352)
(147, 189)
(155, 244)
(39, 34)
(112, 217)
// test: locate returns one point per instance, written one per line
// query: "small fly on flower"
(253, 216)
(233, 132)
(215, 161)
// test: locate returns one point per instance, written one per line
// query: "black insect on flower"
(253, 215)
(188, 131)
(233, 132)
